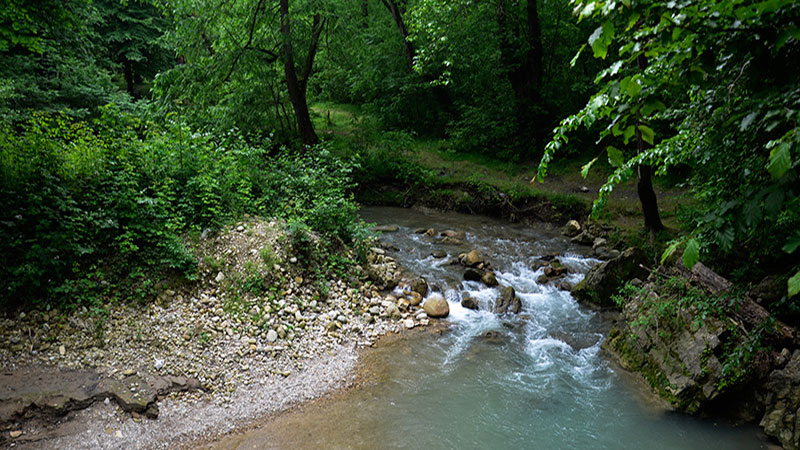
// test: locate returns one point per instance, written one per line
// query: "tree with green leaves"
(131, 31)
(237, 54)
(50, 59)
(702, 86)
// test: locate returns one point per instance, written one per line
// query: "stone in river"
(436, 306)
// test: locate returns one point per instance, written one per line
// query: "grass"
(351, 130)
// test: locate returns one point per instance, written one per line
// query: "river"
(538, 380)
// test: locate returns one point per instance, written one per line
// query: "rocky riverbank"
(262, 329)
(700, 344)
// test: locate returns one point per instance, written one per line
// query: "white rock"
(409, 323)
(272, 336)
(159, 364)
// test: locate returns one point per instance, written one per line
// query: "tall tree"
(131, 33)
(297, 86)
(701, 84)
(238, 57)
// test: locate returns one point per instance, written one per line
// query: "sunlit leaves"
(585, 168)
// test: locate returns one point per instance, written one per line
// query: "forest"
(132, 130)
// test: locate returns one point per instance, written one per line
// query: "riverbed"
(539, 379)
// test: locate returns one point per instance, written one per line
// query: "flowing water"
(539, 380)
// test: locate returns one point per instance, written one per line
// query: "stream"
(537, 380)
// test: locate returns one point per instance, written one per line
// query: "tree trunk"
(408, 47)
(128, 69)
(534, 53)
(296, 88)
(644, 185)
(648, 199)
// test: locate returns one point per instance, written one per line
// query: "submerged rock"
(436, 306)
(461, 235)
(604, 279)
(386, 228)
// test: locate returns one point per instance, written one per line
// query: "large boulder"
(678, 353)
(605, 279)
(508, 302)
(489, 279)
(436, 306)
(780, 396)
(584, 238)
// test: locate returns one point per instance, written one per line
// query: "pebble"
(159, 364)
(220, 277)
(15, 434)
(408, 323)
(272, 336)
(62, 350)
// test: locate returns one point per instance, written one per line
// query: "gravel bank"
(260, 330)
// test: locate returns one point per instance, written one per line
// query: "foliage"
(700, 82)
(96, 210)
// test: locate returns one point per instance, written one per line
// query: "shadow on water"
(536, 381)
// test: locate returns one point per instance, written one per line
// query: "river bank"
(201, 360)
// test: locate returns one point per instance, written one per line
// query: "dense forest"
(129, 129)
(127, 124)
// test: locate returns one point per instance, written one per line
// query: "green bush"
(96, 211)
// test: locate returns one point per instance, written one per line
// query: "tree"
(50, 59)
(131, 32)
(237, 56)
(700, 84)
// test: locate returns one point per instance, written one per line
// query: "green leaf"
(792, 243)
(779, 160)
(748, 119)
(577, 55)
(601, 38)
(615, 157)
(585, 168)
(692, 253)
(647, 134)
(794, 284)
(669, 251)
(628, 133)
